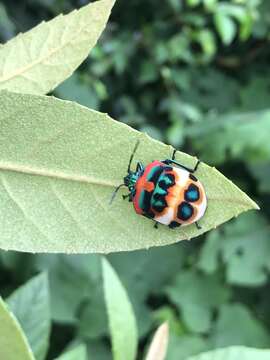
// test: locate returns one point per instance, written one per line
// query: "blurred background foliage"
(195, 74)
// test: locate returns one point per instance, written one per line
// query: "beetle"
(165, 191)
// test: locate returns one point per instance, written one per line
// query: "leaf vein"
(57, 195)
(107, 212)
(19, 206)
(43, 59)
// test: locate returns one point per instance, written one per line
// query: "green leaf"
(30, 305)
(168, 314)
(215, 138)
(210, 5)
(141, 281)
(180, 347)
(20, 264)
(99, 350)
(59, 165)
(225, 26)
(13, 343)
(92, 319)
(254, 96)
(197, 296)
(72, 280)
(121, 317)
(37, 61)
(78, 353)
(261, 173)
(234, 353)
(236, 247)
(146, 260)
(75, 90)
(7, 27)
(208, 261)
(206, 39)
(193, 2)
(92, 315)
(236, 325)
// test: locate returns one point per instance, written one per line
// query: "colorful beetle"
(170, 195)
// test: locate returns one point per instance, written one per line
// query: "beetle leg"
(196, 166)
(139, 167)
(172, 161)
(173, 154)
(197, 225)
(127, 196)
(156, 225)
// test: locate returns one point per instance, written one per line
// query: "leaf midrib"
(23, 169)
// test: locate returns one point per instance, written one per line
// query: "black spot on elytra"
(158, 196)
(167, 168)
(155, 176)
(147, 201)
(162, 204)
(192, 194)
(185, 211)
(149, 214)
(165, 185)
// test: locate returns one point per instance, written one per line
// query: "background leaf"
(225, 26)
(180, 347)
(246, 330)
(141, 280)
(72, 280)
(37, 61)
(235, 246)
(197, 296)
(122, 321)
(234, 353)
(33, 295)
(78, 353)
(216, 139)
(13, 343)
(60, 169)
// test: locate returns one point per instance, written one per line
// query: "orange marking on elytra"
(149, 186)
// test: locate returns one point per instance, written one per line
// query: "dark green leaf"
(197, 296)
(30, 305)
(237, 245)
(237, 326)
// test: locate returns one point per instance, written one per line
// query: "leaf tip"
(256, 206)
(253, 205)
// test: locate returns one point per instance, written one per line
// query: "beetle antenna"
(115, 192)
(132, 155)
